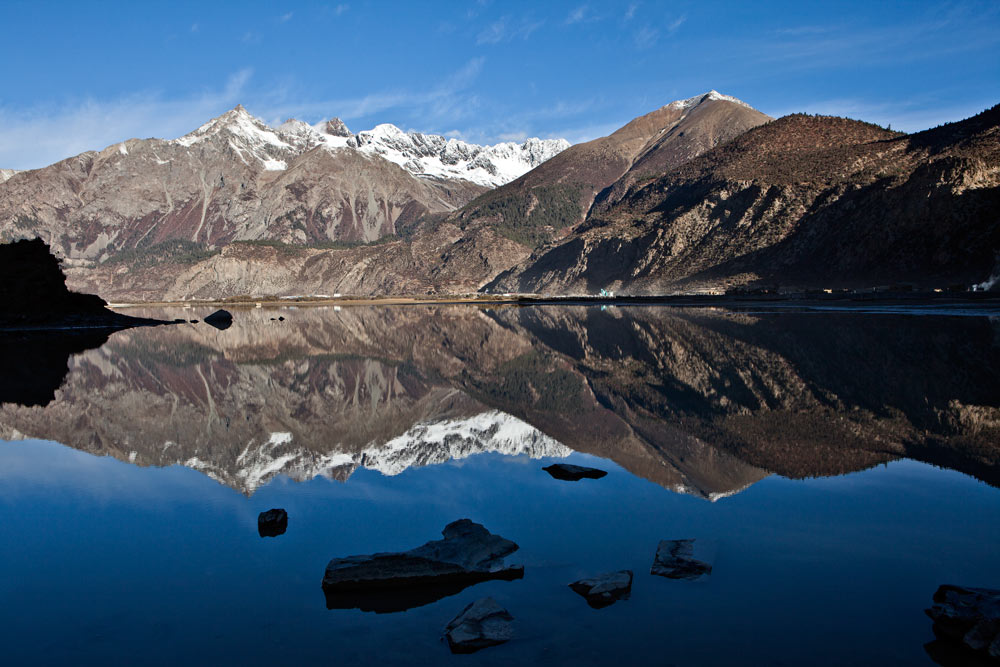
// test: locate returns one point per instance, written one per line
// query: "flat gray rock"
(684, 559)
(468, 554)
(483, 623)
(969, 617)
(571, 473)
(605, 589)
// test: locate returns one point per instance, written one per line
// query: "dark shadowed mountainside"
(802, 202)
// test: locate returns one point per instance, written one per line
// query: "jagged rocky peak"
(238, 124)
(335, 127)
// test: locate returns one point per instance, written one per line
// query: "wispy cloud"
(675, 24)
(646, 36)
(285, 18)
(35, 137)
(577, 15)
(506, 29)
(443, 103)
(630, 12)
(195, 27)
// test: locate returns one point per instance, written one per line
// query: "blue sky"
(80, 76)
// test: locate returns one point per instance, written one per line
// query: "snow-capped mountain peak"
(710, 95)
(423, 155)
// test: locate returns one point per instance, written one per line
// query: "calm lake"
(845, 464)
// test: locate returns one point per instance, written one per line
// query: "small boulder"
(605, 589)
(483, 623)
(683, 559)
(272, 523)
(220, 319)
(571, 473)
(194, 321)
(968, 618)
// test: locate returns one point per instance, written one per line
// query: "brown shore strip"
(987, 300)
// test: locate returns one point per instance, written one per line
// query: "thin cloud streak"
(33, 138)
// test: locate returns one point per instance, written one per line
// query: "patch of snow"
(5, 174)
(698, 99)
(275, 165)
(423, 444)
(123, 149)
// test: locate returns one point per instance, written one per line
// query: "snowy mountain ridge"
(423, 155)
(425, 443)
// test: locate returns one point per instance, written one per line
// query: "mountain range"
(704, 194)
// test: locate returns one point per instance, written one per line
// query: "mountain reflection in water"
(700, 401)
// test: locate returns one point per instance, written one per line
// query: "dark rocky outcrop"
(481, 624)
(801, 202)
(272, 523)
(220, 319)
(395, 581)
(33, 294)
(573, 473)
(683, 559)
(605, 589)
(42, 323)
(967, 619)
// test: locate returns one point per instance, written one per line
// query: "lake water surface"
(845, 464)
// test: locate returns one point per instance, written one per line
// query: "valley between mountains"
(702, 195)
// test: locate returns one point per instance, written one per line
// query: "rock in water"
(571, 473)
(969, 617)
(683, 559)
(605, 589)
(220, 319)
(386, 582)
(272, 523)
(483, 623)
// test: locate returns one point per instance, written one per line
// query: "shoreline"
(985, 300)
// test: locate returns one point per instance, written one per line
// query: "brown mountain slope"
(558, 193)
(233, 179)
(800, 202)
(345, 196)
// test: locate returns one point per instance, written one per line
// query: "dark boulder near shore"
(220, 319)
(395, 581)
(571, 473)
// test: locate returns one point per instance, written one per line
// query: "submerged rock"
(272, 523)
(605, 589)
(220, 319)
(969, 618)
(571, 473)
(483, 623)
(394, 581)
(683, 559)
